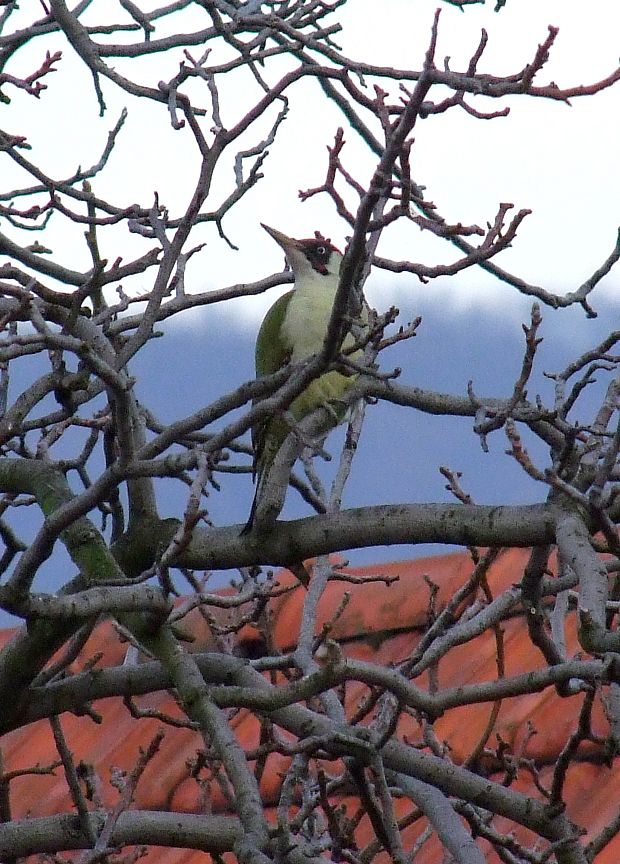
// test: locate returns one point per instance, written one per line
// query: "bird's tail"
(250, 523)
(269, 440)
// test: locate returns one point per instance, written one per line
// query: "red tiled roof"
(381, 623)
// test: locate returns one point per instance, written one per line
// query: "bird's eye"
(321, 251)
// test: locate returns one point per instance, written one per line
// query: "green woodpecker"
(294, 329)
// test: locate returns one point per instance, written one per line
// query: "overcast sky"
(558, 161)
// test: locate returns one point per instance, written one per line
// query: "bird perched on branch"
(294, 329)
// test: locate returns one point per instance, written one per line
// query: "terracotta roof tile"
(381, 623)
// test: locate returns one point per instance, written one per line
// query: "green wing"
(272, 352)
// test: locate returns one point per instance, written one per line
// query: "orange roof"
(382, 623)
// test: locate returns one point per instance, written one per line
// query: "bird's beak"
(282, 239)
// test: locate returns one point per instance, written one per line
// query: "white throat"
(309, 310)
